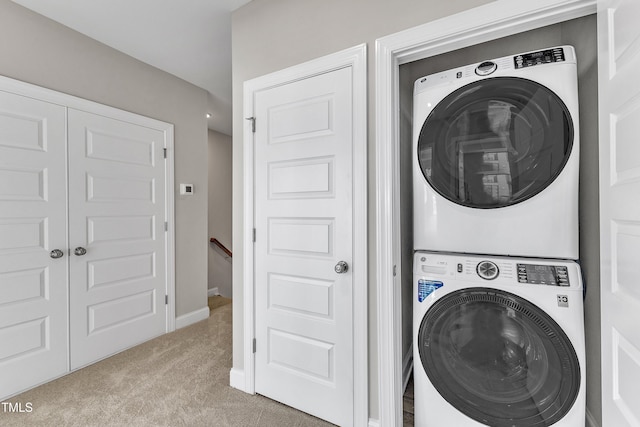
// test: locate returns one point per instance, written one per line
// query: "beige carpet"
(218, 301)
(179, 379)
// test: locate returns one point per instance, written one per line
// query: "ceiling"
(190, 39)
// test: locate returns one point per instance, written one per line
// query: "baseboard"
(591, 422)
(213, 292)
(374, 423)
(407, 365)
(236, 379)
(191, 318)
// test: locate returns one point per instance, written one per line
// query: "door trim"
(494, 20)
(69, 101)
(356, 59)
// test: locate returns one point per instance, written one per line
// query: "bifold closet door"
(33, 276)
(116, 235)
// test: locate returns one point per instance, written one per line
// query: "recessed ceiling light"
(208, 115)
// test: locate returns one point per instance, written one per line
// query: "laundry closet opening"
(581, 34)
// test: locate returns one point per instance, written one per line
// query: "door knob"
(79, 251)
(341, 267)
(56, 253)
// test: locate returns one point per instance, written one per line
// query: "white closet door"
(116, 214)
(304, 228)
(619, 110)
(33, 285)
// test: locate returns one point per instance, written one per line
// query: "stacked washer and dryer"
(498, 296)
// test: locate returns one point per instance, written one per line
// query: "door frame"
(69, 101)
(355, 58)
(494, 20)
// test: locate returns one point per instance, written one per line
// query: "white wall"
(220, 171)
(269, 35)
(40, 51)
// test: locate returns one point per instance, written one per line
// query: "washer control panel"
(555, 275)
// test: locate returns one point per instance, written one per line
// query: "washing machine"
(496, 157)
(498, 342)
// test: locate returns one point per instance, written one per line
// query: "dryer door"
(499, 359)
(495, 142)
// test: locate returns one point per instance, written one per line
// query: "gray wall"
(220, 170)
(269, 35)
(584, 39)
(40, 51)
(581, 33)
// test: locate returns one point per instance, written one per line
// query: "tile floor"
(407, 405)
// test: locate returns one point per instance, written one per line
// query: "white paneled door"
(83, 240)
(619, 89)
(33, 277)
(303, 218)
(116, 235)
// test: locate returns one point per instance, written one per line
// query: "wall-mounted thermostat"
(186, 189)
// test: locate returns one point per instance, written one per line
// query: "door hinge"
(166, 226)
(254, 235)
(254, 345)
(166, 299)
(253, 123)
(395, 270)
(164, 152)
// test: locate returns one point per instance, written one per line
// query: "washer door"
(498, 359)
(495, 142)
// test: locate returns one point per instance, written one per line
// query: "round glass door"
(495, 142)
(499, 359)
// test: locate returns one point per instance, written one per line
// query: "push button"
(522, 274)
(562, 275)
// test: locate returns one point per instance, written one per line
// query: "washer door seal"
(498, 358)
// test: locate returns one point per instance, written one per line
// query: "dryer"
(498, 342)
(496, 157)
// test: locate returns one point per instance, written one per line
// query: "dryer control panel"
(555, 275)
(547, 56)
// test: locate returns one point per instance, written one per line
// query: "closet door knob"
(56, 253)
(341, 267)
(79, 251)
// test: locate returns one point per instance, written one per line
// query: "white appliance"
(496, 156)
(498, 341)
